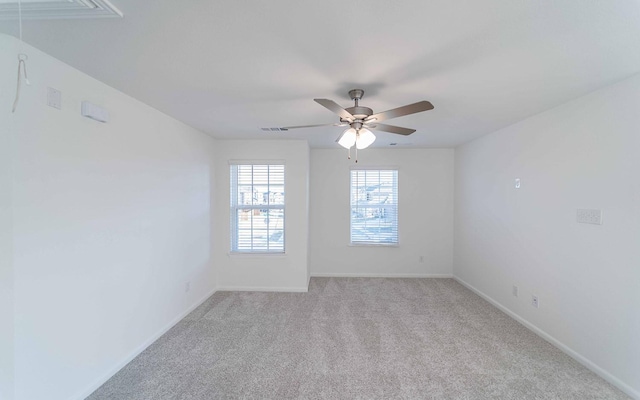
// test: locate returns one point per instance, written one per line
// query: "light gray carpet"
(352, 338)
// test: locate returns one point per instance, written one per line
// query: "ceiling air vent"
(274, 129)
(59, 9)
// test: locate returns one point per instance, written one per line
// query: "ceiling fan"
(361, 120)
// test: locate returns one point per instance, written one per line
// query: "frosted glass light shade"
(365, 138)
(348, 138)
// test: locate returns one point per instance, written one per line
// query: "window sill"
(239, 254)
(373, 245)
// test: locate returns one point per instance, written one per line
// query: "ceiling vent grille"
(58, 9)
(274, 129)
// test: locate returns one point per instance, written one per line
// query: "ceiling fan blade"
(310, 126)
(391, 128)
(400, 111)
(335, 107)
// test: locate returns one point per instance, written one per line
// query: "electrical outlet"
(534, 301)
(187, 287)
(517, 183)
(514, 291)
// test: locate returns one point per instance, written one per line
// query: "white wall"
(7, 84)
(286, 272)
(110, 221)
(425, 214)
(584, 154)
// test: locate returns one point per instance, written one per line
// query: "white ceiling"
(229, 68)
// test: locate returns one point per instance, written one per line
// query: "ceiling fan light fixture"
(348, 138)
(362, 120)
(364, 138)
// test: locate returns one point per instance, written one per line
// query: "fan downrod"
(357, 111)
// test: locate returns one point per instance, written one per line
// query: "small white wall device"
(95, 112)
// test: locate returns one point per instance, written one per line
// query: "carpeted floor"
(351, 338)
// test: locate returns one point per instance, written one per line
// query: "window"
(257, 208)
(374, 206)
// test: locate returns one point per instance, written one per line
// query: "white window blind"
(257, 208)
(374, 206)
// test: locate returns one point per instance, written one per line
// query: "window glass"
(257, 208)
(374, 206)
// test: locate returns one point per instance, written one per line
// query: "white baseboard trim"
(572, 353)
(302, 289)
(99, 382)
(375, 275)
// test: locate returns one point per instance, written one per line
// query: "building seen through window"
(374, 206)
(257, 208)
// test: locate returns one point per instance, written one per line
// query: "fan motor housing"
(360, 112)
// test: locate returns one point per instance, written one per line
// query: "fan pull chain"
(349, 153)
(357, 138)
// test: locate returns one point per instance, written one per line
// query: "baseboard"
(302, 289)
(99, 382)
(375, 275)
(566, 349)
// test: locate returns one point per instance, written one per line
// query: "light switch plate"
(54, 98)
(586, 216)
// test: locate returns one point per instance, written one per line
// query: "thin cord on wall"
(20, 20)
(21, 66)
(22, 61)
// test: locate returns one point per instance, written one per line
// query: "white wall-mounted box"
(95, 112)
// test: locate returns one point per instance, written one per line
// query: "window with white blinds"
(374, 206)
(257, 208)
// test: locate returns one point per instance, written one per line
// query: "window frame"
(235, 206)
(396, 189)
